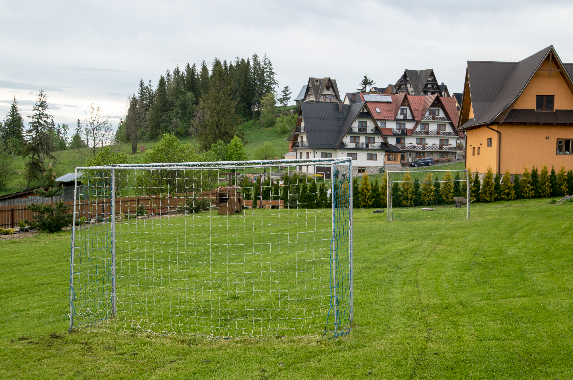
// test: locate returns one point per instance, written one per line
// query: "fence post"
(113, 274)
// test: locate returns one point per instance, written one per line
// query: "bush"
(6, 231)
(50, 218)
(195, 204)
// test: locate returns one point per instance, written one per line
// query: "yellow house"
(518, 114)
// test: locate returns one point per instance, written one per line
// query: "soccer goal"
(223, 249)
(428, 195)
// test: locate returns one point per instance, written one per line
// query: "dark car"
(423, 162)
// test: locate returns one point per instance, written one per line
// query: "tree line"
(198, 101)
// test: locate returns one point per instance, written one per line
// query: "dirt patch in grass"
(19, 235)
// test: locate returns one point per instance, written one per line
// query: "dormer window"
(434, 112)
(544, 103)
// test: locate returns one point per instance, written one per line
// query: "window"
(301, 139)
(444, 142)
(420, 141)
(354, 139)
(442, 127)
(564, 146)
(401, 126)
(370, 140)
(325, 155)
(403, 111)
(442, 155)
(372, 156)
(489, 141)
(382, 124)
(361, 170)
(354, 156)
(544, 102)
(361, 126)
(392, 157)
(479, 148)
(400, 141)
(424, 127)
(420, 155)
(434, 112)
(474, 151)
(307, 155)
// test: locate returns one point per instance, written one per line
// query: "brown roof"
(494, 86)
(451, 109)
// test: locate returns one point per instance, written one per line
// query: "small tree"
(427, 189)
(375, 194)
(236, 150)
(458, 191)
(312, 194)
(98, 127)
(417, 192)
(526, 188)
(488, 187)
(507, 190)
(570, 182)
(438, 191)
(475, 189)
(396, 194)
(448, 189)
(384, 191)
(497, 187)
(323, 200)
(517, 187)
(356, 193)
(285, 96)
(268, 111)
(219, 150)
(553, 182)
(365, 192)
(407, 190)
(534, 182)
(365, 84)
(562, 187)
(50, 217)
(544, 184)
(266, 151)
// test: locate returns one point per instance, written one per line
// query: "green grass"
(489, 298)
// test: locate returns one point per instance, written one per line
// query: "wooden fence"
(101, 208)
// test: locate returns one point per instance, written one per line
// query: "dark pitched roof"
(494, 86)
(318, 85)
(418, 79)
(323, 122)
(353, 112)
(300, 95)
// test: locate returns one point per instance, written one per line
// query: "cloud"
(13, 85)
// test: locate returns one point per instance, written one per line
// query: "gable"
(549, 79)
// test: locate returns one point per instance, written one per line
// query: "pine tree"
(475, 189)
(544, 184)
(396, 194)
(525, 184)
(355, 193)
(517, 187)
(268, 113)
(203, 81)
(427, 190)
(323, 199)
(417, 193)
(313, 194)
(365, 192)
(507, 190)
(375, 194)
(384, 191)
(438, 192)
(41, 144)
(534, 182)
(458, 192)
(448, 189)
(497, 187)
(407, 191)
(159, 112)
(562, 187)
(13, 130)
(215, 118)
(303, 195)
(488, 187)
(285, 96)
(553, 182)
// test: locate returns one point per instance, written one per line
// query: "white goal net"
(220, 249)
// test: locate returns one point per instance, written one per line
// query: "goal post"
(428, 194)
(218, 249)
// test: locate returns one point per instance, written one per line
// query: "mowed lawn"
(487, 298)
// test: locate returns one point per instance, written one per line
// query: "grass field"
(489, 298)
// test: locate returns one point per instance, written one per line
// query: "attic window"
(316, 81)
(544, 103)
(378, 110)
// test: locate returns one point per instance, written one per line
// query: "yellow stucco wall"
(542, 84)
(487, 157)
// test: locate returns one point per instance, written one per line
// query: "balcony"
(300, 144)
(399, 132)
(299, 130)
(347, 145)
(363, 130)
(432, 117)
(427, 147)
(433, 133)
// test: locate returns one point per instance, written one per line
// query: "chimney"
(340, 107)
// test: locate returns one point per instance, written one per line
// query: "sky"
(81, 53)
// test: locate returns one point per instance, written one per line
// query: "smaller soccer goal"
(428, 195)
(215, 249)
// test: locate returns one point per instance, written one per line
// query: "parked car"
(423, 162)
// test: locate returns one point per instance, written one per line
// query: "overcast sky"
(96, 52)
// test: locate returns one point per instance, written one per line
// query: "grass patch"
(485, 298)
